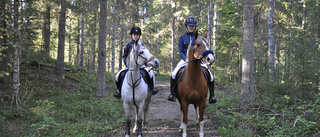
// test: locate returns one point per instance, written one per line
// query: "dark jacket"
(127, 50)
(183, 44)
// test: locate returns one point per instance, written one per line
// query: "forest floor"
(165, 116)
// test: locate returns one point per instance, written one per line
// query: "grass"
(59, 107)
(272, 113)
(68, 113)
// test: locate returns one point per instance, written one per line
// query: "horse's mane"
(189, 50)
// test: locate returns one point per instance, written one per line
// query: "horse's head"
(201, 49)
(143, 56)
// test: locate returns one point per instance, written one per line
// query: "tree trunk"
(215, 24)
(209, 22)
(59, 70)
(94, 35)
(47, 31)
(121, 42)
(70, 46)
(247, 81)
(172, 38)
(81, 34)
(317, 46)
(101, 75)
(16, 56)
(271, 47)
(304, 15)
(78, 43)
(114, 29)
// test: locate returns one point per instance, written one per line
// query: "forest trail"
(165, 116)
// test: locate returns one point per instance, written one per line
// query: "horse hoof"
(184, 134)
(180, 130)
(144, 127)
(127, 136)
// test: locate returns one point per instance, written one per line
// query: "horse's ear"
(196, 35)
(205, 35)
(136, 42)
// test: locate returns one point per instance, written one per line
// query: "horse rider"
(184, 40)
(135, 34)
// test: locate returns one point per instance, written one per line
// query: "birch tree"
(16, 56)
(271, 47)
(209, 23)
(215, 23)
(81, 40)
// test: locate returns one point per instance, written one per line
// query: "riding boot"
(119, 84)
(212, 99)
(151, 84)
(172, 96)
(118, 94)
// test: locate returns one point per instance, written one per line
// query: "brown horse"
(193, 88)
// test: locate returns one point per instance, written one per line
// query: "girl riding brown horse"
(193, 87)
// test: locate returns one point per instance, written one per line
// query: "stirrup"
(154, 91)
(172, 98)
(212, 100)
(117, 95)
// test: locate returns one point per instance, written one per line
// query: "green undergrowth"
(51, 106)
(66, 114)
(279, 110)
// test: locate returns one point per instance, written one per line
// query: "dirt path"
(165, 117)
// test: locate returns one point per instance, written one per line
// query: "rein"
(134, 84)
(137, 82)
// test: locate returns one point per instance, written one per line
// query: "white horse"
(134, 89)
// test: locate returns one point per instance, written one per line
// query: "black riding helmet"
(191, 21)
(135, 30)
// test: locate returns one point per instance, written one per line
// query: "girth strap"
(205, 75)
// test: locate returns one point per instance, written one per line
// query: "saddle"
(144, 74)
(180, 74)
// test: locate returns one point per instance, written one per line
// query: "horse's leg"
(135, 122)
(202, 107)
(128, 120)
(146, 112)
(196, 110)
(184, 109)
(139, 119)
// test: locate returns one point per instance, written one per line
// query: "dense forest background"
(69, 36)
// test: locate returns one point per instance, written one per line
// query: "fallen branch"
(303, 115)
(38, 64)
(279, 114)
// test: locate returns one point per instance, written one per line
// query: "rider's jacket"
(183, 44)
(126, 51)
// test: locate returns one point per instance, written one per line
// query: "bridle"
(202, 54)
(136, 59)
(198, 58)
